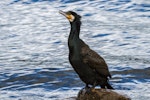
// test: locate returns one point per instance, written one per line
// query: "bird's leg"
(87, 89)
(94, 85)
(90, 89)
(87, 86)
(103, 86)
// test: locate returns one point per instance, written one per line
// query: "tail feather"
(109, 86)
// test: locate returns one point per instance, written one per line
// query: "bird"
(88, 64)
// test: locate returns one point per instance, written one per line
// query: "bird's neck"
(73, 41)
(75, 30)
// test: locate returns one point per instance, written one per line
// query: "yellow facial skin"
(69, 16)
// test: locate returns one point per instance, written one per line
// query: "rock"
(100, 94)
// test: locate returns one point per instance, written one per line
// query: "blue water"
(34, 53)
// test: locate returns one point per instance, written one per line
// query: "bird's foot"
(89, 90)
(86, 89)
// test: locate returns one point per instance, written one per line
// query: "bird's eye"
(68, 13)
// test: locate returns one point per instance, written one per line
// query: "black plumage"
(91, 67)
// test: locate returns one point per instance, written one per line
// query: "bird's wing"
(95, 61)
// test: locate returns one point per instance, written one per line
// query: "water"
(34, 53)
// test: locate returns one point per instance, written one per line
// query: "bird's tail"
(109, 86)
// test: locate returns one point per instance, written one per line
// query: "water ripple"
(34, 54)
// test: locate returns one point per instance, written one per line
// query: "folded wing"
(95, 61)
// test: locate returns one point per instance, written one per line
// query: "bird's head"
(70, 15)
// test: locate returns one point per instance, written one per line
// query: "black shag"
(91, 67)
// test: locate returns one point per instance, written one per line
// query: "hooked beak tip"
(61, 12)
